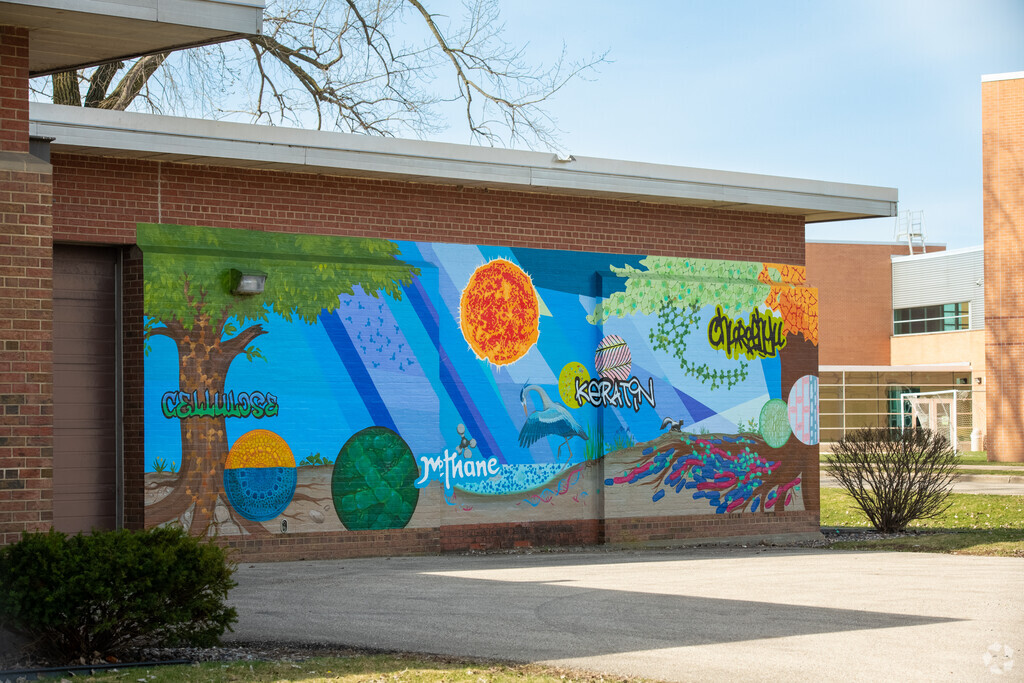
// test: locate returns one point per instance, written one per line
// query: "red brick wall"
(133, 351)
(854, 284)
(666, 530)
(330, 546)
(1002, 108)
(101, 200)
(460, 537)
(26, 284)
(13, 89)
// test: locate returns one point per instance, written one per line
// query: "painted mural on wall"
(376, 384)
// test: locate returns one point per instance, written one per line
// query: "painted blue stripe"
(424, 307)
(467, 409)
(357, 372)
(449, 376)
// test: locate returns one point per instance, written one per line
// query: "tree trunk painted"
(203, 366)
(799, 358)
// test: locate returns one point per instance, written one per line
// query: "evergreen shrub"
(102, 594)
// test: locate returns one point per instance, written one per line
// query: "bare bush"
(895, 476)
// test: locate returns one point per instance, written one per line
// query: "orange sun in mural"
(499, 312)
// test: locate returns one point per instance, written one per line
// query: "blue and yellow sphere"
(260, 475)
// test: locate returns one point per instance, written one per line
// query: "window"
(898, 412)
(941, 318)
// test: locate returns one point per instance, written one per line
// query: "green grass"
(974, 524)
(981, 458)
(350, 669)
(965, 458)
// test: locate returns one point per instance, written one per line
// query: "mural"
(376, 384)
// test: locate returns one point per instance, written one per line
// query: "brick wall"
(855, 321)
(13, 89)
(330, 546)
(666, 530)
(133, 351)
(1002, 107)
(101, 200)
(26, 283)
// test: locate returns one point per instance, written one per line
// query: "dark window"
(941, 318)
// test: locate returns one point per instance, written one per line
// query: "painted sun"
(499, 312)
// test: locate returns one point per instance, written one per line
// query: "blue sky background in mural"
(405, 365)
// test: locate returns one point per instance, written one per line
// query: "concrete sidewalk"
(995, 485)
(679, 615)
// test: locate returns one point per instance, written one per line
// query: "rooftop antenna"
(910, 227)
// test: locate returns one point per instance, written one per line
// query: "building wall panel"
(1002, 104)
(944, 278)
(102, 200)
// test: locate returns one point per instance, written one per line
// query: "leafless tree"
(383, 67)
(895, 476)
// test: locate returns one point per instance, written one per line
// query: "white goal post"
(946, 412)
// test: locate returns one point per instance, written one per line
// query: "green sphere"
(774, 423)
(373, 485)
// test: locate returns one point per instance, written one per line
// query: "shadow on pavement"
(415, 604)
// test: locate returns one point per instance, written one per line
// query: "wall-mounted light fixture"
(248, 283)
(977, 380)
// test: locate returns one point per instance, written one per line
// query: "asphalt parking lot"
(674, 615)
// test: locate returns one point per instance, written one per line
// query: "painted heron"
(551, 420)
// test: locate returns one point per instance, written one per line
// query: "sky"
(881, 93)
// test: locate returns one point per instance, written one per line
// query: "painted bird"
(551, 420)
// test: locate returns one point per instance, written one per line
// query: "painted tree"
(676, 290)
(188, 299)
(789, 297)
(383, 67)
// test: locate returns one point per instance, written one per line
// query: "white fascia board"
(722, 195)
(1011, 76)
(937, 254)
(93, 131)
(240, 16)
(931, 367)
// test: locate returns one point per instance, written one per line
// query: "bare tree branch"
(383, 67)
(132, 82)
(100, 82)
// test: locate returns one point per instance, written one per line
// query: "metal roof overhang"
(72, 34)
(930, 367)
(217, 143)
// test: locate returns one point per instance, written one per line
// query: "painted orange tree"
(789, 297)
(188, 299)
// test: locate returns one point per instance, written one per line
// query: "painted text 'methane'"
(452, 470)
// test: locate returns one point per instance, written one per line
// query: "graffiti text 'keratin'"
(607, 391)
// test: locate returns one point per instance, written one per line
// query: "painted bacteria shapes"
(373, 485)
(774, 423)
(803, 409)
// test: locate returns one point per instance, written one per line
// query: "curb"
(975, 477)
